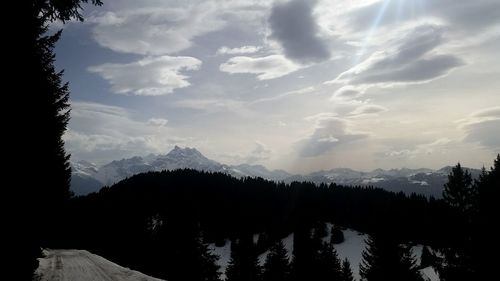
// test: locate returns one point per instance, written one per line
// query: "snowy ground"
(351, 248)
(80, 265)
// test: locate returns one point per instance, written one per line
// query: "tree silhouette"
(426, 258)
(458, 192)
(329, 266)
(45, 104)
(385, 260)
(277, 266)
(346, 273)
(244, 263)
(337, 235)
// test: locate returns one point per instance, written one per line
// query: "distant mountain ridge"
(177, 158)
(87, 177)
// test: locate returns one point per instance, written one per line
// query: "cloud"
(348, 92)
(269, 67)
(259, 153)
(150, 76)
(368, 109)
(117, 134)
(413, 60)
(154, 29)
(237, 51)
(210, 105)
(482, 127)
(330, 132)
(466, 15)
(293, 25)
(440, 145)
(288, 94)
(160, 122)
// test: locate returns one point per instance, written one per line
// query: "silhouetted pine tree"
(337, 235)
(244, 262)
(43, 100)
(385, 260)
(485, 222)
(305, 254)
(277, 265)
(328, 267)
(458, 191)
(426, 258)
(346, 273)
(459, 194)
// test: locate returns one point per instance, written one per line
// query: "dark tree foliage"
(244, 262)
(329, 266)
(277, 265)
(42, 99)
(486, 223)
(337, 236)
(427, 258)
(305, 255)
(116, 221)
(458, 194)
(458, 191)
(468, 253)
(182, 254)
(385, 260)
(346, 273)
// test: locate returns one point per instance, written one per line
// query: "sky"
(295, 85)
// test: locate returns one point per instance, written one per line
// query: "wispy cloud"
(330, 132)
(270, 67)
(238, 51)
(151, 76)
(482, 127)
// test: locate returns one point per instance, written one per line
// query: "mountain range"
(87, 177)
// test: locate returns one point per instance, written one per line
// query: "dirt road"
(80, 265)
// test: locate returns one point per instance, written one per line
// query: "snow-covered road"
(76, 265)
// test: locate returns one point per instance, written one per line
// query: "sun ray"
(371, 31)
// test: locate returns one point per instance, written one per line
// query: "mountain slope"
(88, 178)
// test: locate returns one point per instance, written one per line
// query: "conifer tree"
(346, 273)
(44, 100)
(244, 262)
(305, 254)
(329, 266)
(385, 260)
(184, 253)
(459, 194)
(337, 235)
(277, 265)
(485, 222)
(426, 258)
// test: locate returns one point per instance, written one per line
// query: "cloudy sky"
(298, 85)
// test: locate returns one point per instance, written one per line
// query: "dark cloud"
(482, 127)
(330, 133)
(412, 61)
(294, 27)
(485, 133)
(419, 71)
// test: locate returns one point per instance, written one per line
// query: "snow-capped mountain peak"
(422, 181)
(185, 158)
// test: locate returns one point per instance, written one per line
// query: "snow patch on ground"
(80, 265)
(352, 248)
(429, 274)
(224, 255)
